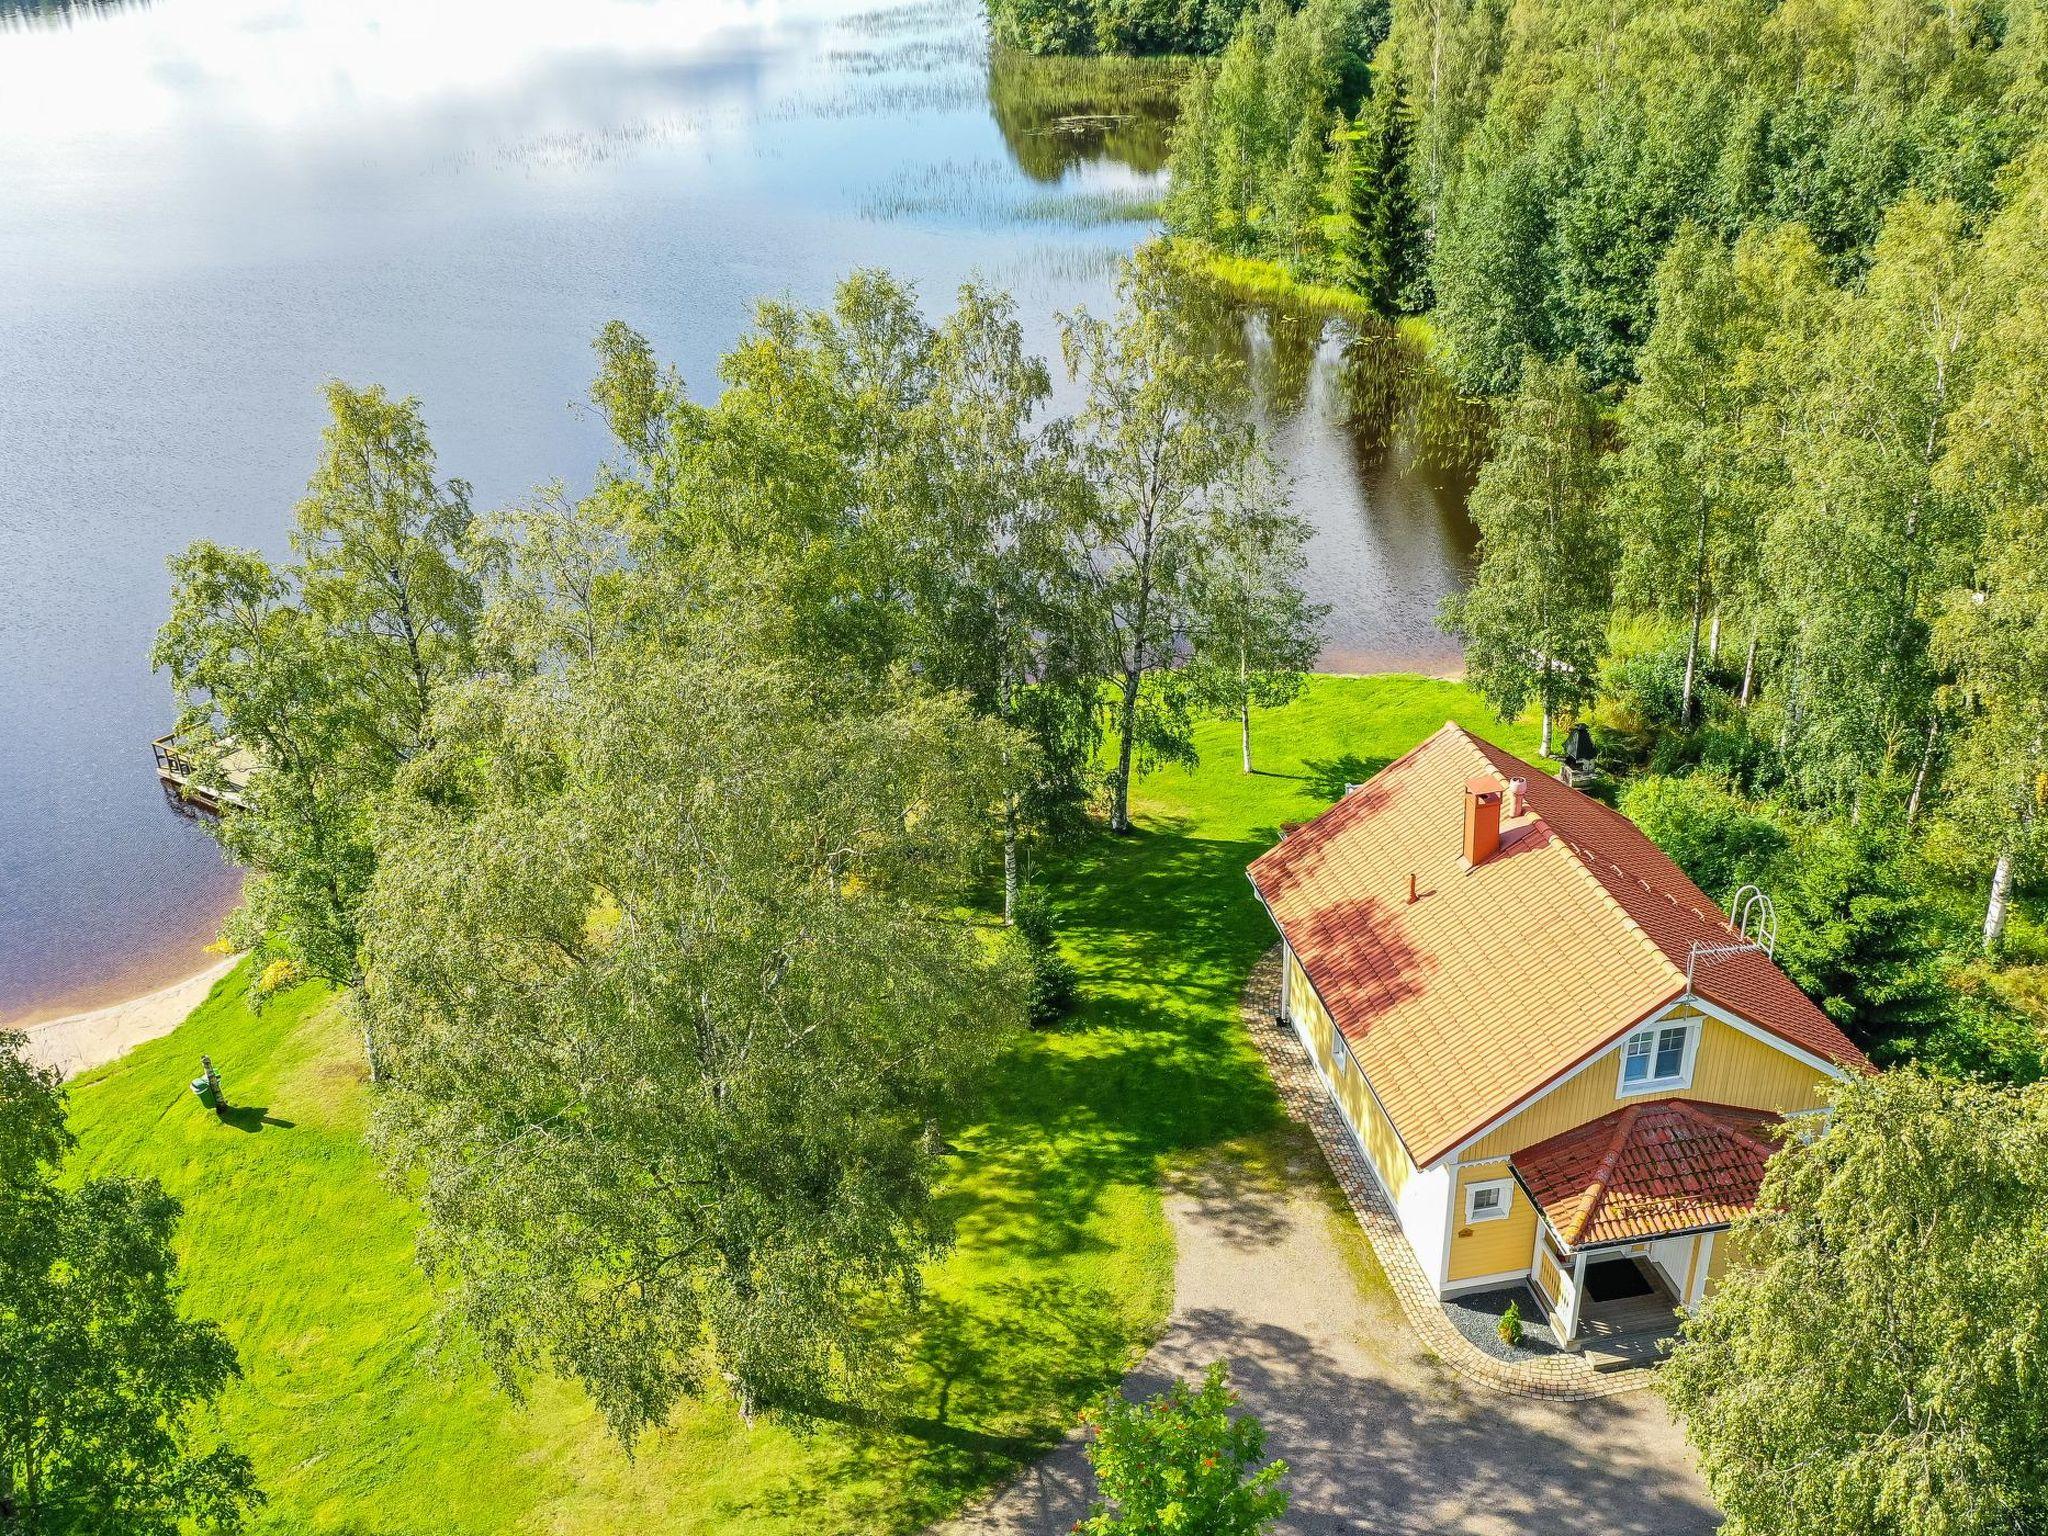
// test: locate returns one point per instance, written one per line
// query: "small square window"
(1655, 1057)
(1489, 1199)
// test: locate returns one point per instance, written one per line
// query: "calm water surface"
(208, 207)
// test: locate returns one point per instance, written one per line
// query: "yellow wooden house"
(1564, 1063)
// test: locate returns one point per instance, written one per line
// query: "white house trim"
(1736, 1021)
(1484, 1282)
(1688, 1057)
(1700, 1264)
(1504, 1208)
(1683, 1000)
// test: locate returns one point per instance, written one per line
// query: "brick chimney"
(1482, 819)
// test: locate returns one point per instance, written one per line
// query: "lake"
(209, 207)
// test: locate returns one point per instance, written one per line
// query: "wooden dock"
(177, 772)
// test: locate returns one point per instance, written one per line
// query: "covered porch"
(1631, 1208)
(1620, 1306)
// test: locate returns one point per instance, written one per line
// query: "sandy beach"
(80, 1041)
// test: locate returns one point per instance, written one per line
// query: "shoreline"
(78, 1042)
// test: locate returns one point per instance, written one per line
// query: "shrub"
(1510, 1325)
(1719, 839)
(1181, 1462)
(1055, 986)
(1640, 696)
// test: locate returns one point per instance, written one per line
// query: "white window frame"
(1340, 1052)
(1504, 1187)
(1653, 1032)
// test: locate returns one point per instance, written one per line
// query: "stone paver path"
(1378, 1434)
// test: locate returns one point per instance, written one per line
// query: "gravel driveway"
(1377, 1436)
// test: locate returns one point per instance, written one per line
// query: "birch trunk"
(1127, 732)
(1692, 642)
(1749, 670)
(1926, 767)
(1010, 860)
(1244, 709)
(2001, 894)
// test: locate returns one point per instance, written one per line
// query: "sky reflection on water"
(208, 207)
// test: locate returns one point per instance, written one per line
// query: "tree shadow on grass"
(981, 1383)
(251, 1117)
(1163, 929)
(1328, 777)
(1155, 1074)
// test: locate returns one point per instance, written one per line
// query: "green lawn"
(363, 1418)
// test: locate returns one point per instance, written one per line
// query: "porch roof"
(1648, 1170)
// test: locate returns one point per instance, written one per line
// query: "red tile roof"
(1501, 978)
(1649, 1170)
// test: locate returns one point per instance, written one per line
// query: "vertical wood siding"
(1730, 1068)
(1389, 1157)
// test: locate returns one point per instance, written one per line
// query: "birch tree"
(999, 563)
(1167, 443)
(319, 677)
(1869, 540)
(1534, 622)
(103, 1375)
(1678, 500)
(1869, 1362)
(1255, 635)
(1993, 632)
(666, 958)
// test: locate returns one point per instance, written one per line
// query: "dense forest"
(1755, 290)
(1116, 26)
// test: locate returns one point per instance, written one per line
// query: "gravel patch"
(1380, 1439)
(1477, 1315)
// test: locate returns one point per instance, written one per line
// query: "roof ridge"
(1695, 1112)
(1393, 763)
(1581, 862)
(1605, 1171)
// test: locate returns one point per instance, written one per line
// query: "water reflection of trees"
(1390, 390)
(1056, 113)
(1394, 392)
(56, 13)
